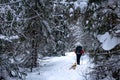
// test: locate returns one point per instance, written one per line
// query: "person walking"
(79, 52)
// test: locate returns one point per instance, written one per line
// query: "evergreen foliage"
(99, 19)
(50, 28)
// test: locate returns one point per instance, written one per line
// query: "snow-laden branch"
(24, 19)
(11, 3)
(9, 38)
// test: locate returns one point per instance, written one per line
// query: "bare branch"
(113, 52)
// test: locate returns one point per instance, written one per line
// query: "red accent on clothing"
(82, 51)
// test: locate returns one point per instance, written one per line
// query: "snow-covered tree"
(29, 28)
(101, 21)
(11, 25)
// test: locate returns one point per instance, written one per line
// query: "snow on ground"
(57, 68)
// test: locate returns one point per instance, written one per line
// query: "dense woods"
(32, 29)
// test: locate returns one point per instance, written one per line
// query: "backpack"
(78, 50)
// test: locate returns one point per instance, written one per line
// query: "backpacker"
(78, 50)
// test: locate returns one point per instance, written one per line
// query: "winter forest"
(38, 38)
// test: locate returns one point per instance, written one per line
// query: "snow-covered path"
(57, 68)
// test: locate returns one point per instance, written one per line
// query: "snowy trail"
(57, 68)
